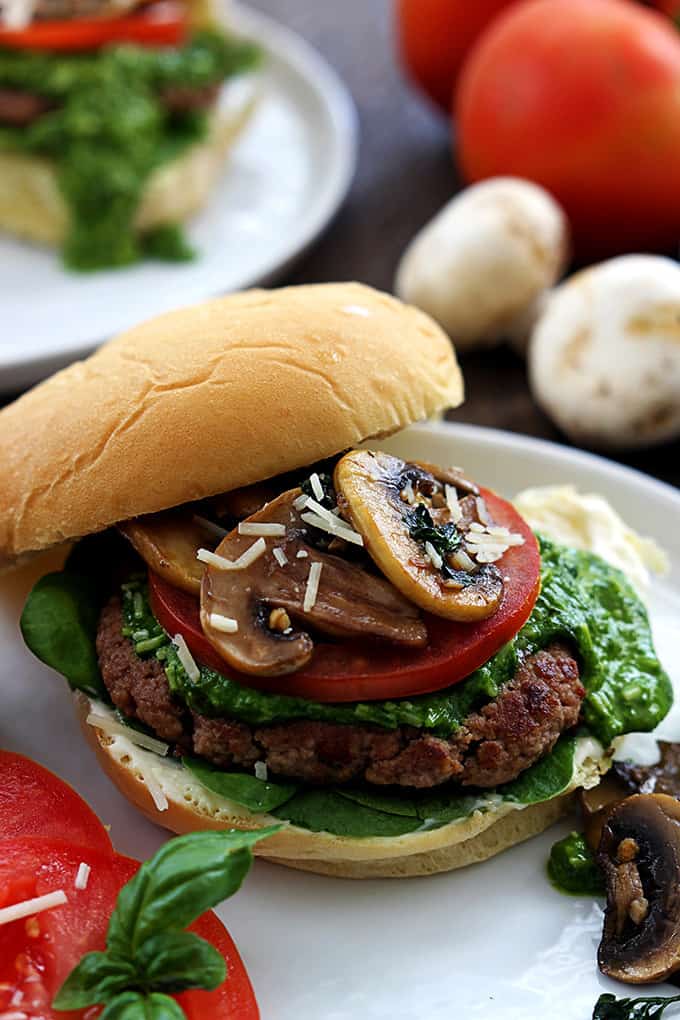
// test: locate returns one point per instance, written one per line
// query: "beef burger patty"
(491, 747)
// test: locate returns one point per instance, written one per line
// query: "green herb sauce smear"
(109, 130)
(572, 867)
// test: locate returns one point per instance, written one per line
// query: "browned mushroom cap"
(265, 602)
(449, 476)
(663, 777)
(640, 857)
(168, 542)
(379, 494)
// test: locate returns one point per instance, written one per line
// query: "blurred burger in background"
(114, 123)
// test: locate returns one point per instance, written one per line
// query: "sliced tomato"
(363, 671)
(37, 954)
(160, 24)
(34, 802)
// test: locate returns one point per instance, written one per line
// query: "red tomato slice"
(37, 954)
(160, 24)
(361, 671)
(35, 802)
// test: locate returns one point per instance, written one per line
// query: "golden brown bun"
(213, 397)
(32, 205)
(191, 808)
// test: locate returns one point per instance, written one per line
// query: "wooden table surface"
(405, 174)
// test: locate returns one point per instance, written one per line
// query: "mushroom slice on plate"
(662, 777)
(168, 542)
(269, 603)
(390, 502)
(640, 857)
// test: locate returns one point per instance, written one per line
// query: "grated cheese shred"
(186, 658)
(312, 589)
(27, 908)
(251, 554)
(263, 529)
(116, 729)
(225, 624)
(83, 876)
(280, 556)
(317, 487)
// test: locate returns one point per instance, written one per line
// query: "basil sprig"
(149, 955)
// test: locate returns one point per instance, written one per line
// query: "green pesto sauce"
(572, 867)
(582, 599)
(109, 131)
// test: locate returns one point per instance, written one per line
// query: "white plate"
(284, 181)
(491, 941)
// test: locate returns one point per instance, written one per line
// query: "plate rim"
(304, 60)
(485, 434)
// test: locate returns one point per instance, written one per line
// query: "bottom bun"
(32, 205)
(169, 795)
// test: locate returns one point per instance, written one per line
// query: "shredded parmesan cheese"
(225, 624)
(213, 529)
(461, 561)
(317, 487)
(280, 556)
(154, 788)
(301, 501)
(319, 510)
(83, 876)
(252, 553)
(267, 530)
(116, 729)
(452, 503)
(301, 554)
(261, 770)
(333, 527)
(312, 589)
(34, 906)
(186, 658)
(433, 556)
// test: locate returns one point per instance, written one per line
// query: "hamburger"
(269, 616)
(114, 123)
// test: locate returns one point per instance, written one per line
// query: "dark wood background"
(405, 174)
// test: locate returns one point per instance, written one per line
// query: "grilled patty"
(491, 747)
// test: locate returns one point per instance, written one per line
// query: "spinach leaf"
(444, 539)
(148, 952)
(328, 811)
(546, 779)
(572, 867)
(59, 625)
(652, 1007)
(248, 791)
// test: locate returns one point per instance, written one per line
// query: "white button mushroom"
(484, 259)
(604, 359)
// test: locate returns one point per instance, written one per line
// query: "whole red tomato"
(435, 36)
(584, 100)
(671, 7)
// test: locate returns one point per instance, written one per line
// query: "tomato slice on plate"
(33, 801)
(363, 671)
(37, 954)
(160, 24)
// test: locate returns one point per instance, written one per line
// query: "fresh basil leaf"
(96, 979)
(188, 876)
(327, 810)
(59, 625)
(248, 791)
(393, 804)
(178, 960)
(652, 1007)
(135, 1006)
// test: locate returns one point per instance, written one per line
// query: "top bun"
(212, 397)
